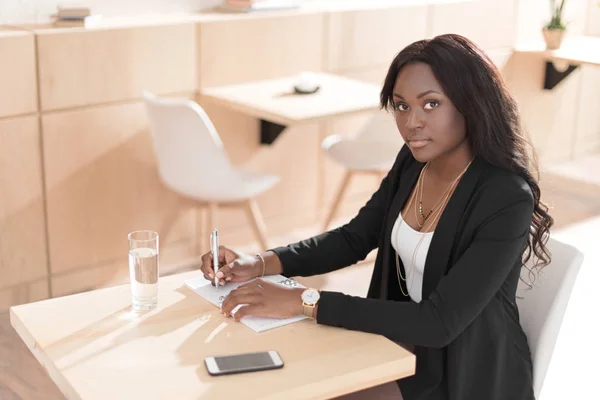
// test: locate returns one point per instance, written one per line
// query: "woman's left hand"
(264, 299)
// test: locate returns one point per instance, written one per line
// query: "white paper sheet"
(205, 289)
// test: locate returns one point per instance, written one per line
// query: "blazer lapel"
(442, 242)
(407, 180)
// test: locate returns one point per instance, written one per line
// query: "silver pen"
(214, 248)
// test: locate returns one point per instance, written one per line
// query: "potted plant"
(554, 30)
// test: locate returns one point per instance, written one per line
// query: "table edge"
(46, 362)
(268, 116)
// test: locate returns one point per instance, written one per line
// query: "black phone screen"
(244, 361)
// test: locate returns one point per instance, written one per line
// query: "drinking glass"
(143, 269)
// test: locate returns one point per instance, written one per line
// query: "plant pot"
(553, 38)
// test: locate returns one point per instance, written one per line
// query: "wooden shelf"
(574, 51)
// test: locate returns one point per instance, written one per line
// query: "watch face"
(310, 296)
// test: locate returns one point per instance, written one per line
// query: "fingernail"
(219, 274)
(228, 278)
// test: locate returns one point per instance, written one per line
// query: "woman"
(454, 221)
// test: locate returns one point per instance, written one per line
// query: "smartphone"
(247, 362)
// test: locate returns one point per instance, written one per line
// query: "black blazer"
(469, 344)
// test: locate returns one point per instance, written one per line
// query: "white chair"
(542, 307)
(372, 151)
(192, 162)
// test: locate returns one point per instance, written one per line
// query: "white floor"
(586, 169)
(574, 372)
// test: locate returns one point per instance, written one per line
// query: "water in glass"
(143, 274)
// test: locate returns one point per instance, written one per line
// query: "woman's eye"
(401, 107)
(431, 104)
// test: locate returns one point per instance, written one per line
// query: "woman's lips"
(417, 144)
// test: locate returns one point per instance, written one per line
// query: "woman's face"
(427, 120)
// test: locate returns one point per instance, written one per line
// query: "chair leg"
(338, 199)
(256, 222)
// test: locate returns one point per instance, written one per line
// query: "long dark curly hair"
(476, 88)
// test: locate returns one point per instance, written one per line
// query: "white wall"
(534, 13)
(593, 22)
(19, 11)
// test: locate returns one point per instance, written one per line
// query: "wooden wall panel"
(103, 185)
(489, 23)
(18, 93)
(23, 293)
(365, 38)
(22, 229)
(235, 51)
(116, 272)
(548, 115)
(587, 122)
(86, 67)
(377, 73)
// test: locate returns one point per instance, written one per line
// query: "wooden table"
(573, 52)
(94, 347)
(277, 106)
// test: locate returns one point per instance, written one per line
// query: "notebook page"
(216, 296)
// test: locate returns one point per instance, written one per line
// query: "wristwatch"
(310, 298)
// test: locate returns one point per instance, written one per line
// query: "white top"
(405, 241)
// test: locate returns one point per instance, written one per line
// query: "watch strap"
(309, 310)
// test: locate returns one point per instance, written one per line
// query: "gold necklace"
(446, 197)
(421, 197)
(420, 185)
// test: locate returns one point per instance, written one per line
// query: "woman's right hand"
(234, 266)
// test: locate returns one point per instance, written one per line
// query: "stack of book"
(259, 5)
(74, 15)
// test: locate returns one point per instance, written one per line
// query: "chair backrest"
(381, 127)
(542, 307)
(187, 147)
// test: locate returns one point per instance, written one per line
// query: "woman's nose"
(414, 120)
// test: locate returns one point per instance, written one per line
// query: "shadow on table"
(126, 325)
